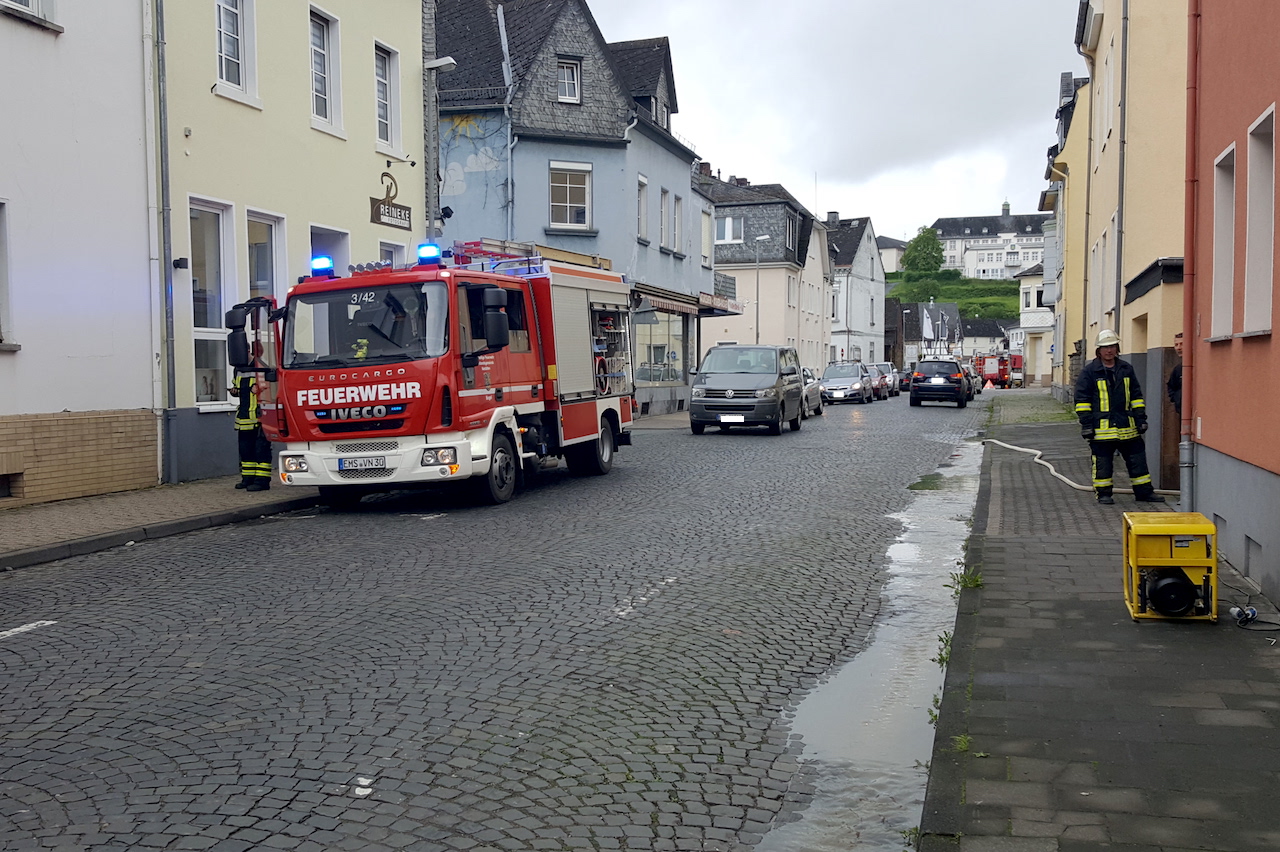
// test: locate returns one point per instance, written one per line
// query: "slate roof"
(1038, 269)
(889, 242)
(1017, 223)
(847, 238)
(642, 63)
(467, 30)
(993, 328)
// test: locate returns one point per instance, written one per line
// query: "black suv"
(940, 380)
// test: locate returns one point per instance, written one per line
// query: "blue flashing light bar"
(321, 264)
(429, 253)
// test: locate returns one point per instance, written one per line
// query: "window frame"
(642, 208)
(6, 344)
(574, 65)
(729, 220)
(677, 225)
(41, 13)
(247, 91)
(1260, 221)
(569, 168)
(1223, 242)
(228, 291)
(278, 254)
(664, 224)
(332, 123)
(393, 146)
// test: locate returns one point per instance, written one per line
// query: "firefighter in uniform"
(1113, 418)
(255, 449)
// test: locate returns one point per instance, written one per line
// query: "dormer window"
(569, 72)
(664, 116)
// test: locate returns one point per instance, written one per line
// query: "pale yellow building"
(1133, 231)
(293, 129)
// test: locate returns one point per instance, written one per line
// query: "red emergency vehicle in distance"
(483, 364)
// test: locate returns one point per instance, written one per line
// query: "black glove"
(1086, 432)
(1142, 428)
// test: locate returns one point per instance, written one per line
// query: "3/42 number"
(368, 296)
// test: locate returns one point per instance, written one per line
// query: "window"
(792, 291)
(517, 321)
(1224, 243)
(262, 260)
(4, 275)
(210, 282)
(728, 229)
(642, 208)
(386, 84)
(708, 238)
(569, 72)
(1260, 224)
(571, 195)
(391, 253)
(792, 226)
(326, 89)
(1026, 298)
(229, 62)
(664, 116)
(677, 228)
(237, 63)
(660, 350)
(664, 226)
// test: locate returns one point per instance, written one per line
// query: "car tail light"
(957, 375)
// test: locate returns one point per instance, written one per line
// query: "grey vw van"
(741, 385)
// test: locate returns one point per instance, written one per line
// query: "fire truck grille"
(367, 473)
(367, 447)
(359, 426)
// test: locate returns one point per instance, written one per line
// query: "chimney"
(1004, 209)
(742, 182)
(833, 218)
(704, 169)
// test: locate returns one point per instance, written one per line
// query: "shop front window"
(660, 347)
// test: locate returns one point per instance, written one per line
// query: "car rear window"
(937, 368)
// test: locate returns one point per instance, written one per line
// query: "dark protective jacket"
(1109, 401)
(247, 411)
(1175, 388)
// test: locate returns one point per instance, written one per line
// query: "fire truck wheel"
(595, 458)
(499, 484)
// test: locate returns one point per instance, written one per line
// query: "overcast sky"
(901, 110)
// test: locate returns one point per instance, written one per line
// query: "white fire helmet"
(1107, 337)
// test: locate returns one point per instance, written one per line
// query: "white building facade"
(857, 291)
(996, 247)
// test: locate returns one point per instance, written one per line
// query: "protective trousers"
(1134, 453)
(255, 456)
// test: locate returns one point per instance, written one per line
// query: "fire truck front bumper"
(383, 464)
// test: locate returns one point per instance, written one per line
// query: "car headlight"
(767, 393)
(698, 393)
(293, 464)
(856, 386)
(822, 388)
(443, 455)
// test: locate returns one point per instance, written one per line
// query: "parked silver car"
(812, 393)
(894, 379)
(847, 381)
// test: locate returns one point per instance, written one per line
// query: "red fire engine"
(474, 364)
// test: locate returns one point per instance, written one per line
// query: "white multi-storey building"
(992, 246)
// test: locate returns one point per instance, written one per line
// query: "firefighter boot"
(260, 483)
(243, 483)
(1147, 495)
(1105, 498)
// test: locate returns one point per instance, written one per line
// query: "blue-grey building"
(549, 135)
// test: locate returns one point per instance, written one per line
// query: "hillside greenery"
(975, 297)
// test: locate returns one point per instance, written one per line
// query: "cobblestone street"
(600, 664)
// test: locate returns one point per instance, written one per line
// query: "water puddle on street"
(866, 731)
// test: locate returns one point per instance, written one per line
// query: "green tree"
(924, 252)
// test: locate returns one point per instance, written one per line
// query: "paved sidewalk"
(44, 532)
(1065, 725)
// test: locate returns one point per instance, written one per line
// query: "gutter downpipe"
(508, 78)
(170, 472)
(1088, 211)
(1186, 446)
(1124, 143)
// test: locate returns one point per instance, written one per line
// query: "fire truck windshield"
(367, 325)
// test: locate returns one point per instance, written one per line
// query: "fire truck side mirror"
(497, 329)
(237, 340)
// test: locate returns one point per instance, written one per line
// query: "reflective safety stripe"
(1142, 480)
(1104, 398)
(1107, 432)
(1083, 406)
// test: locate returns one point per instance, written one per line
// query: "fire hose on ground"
(1077, 486)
